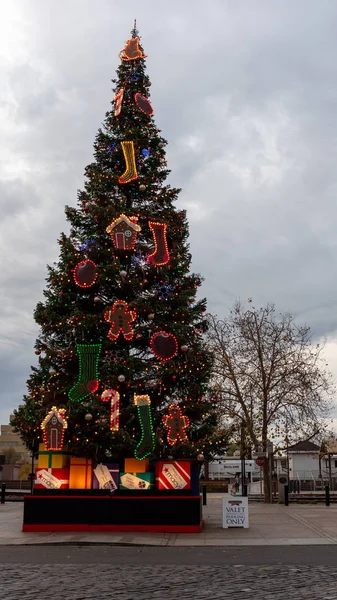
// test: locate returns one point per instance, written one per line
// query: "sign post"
(235, 512)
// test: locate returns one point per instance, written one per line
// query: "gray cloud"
(246, 95)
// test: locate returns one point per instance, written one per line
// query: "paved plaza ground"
(287, 552)
(272, 525)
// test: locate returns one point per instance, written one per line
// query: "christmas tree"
(123, 366)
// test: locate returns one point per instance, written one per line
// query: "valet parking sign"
(235, 512)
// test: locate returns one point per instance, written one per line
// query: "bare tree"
(269, 377)
(12, 457)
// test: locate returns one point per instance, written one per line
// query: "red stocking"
(160, 256)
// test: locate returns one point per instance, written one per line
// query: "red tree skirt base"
(52, 527)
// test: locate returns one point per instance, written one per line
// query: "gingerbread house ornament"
(123, 232)
(53, 427)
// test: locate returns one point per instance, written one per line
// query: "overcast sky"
(245, 92)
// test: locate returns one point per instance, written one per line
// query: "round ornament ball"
(184, 348)
(52, 371)
(97, 299)
(38, 352)
(191, 299)
(201, 457)
(142, 187)
(161, 144)
(88, 417)
(121, 378)
(123, 273)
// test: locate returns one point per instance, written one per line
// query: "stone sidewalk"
(272, 525)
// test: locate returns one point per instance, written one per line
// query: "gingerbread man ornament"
(176, 423)
(121, 318)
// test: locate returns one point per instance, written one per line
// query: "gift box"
(136, 481)
(59, 459)
(173, 475)
(132, 465)
(105, 477)
(51, 479)
(80, 477)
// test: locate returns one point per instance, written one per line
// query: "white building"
(304, 462)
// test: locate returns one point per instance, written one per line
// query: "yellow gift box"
(80, 477)
(132, 465)
(52, 459)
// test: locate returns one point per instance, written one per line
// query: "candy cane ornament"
(115, 406)
(118, 102)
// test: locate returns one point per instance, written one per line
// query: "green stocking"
(147, 442)
(87, 382)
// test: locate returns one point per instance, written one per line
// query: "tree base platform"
(158, 512)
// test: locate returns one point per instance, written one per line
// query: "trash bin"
(282, 481)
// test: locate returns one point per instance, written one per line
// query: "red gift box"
(173, 475)
(51, 479)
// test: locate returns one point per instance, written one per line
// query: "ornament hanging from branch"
(176, 423)
(53, 427)
(164, 289)
(160, 256)
(118, 99)
(131, 50)
(164, 345)
(130, 172)
(123, 232)
(144, 104)
(85, 273)
(120, 318)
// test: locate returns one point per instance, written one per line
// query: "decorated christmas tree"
(123, 366)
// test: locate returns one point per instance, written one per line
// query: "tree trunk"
(266, 481)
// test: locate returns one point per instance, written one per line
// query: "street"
(69, 572)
